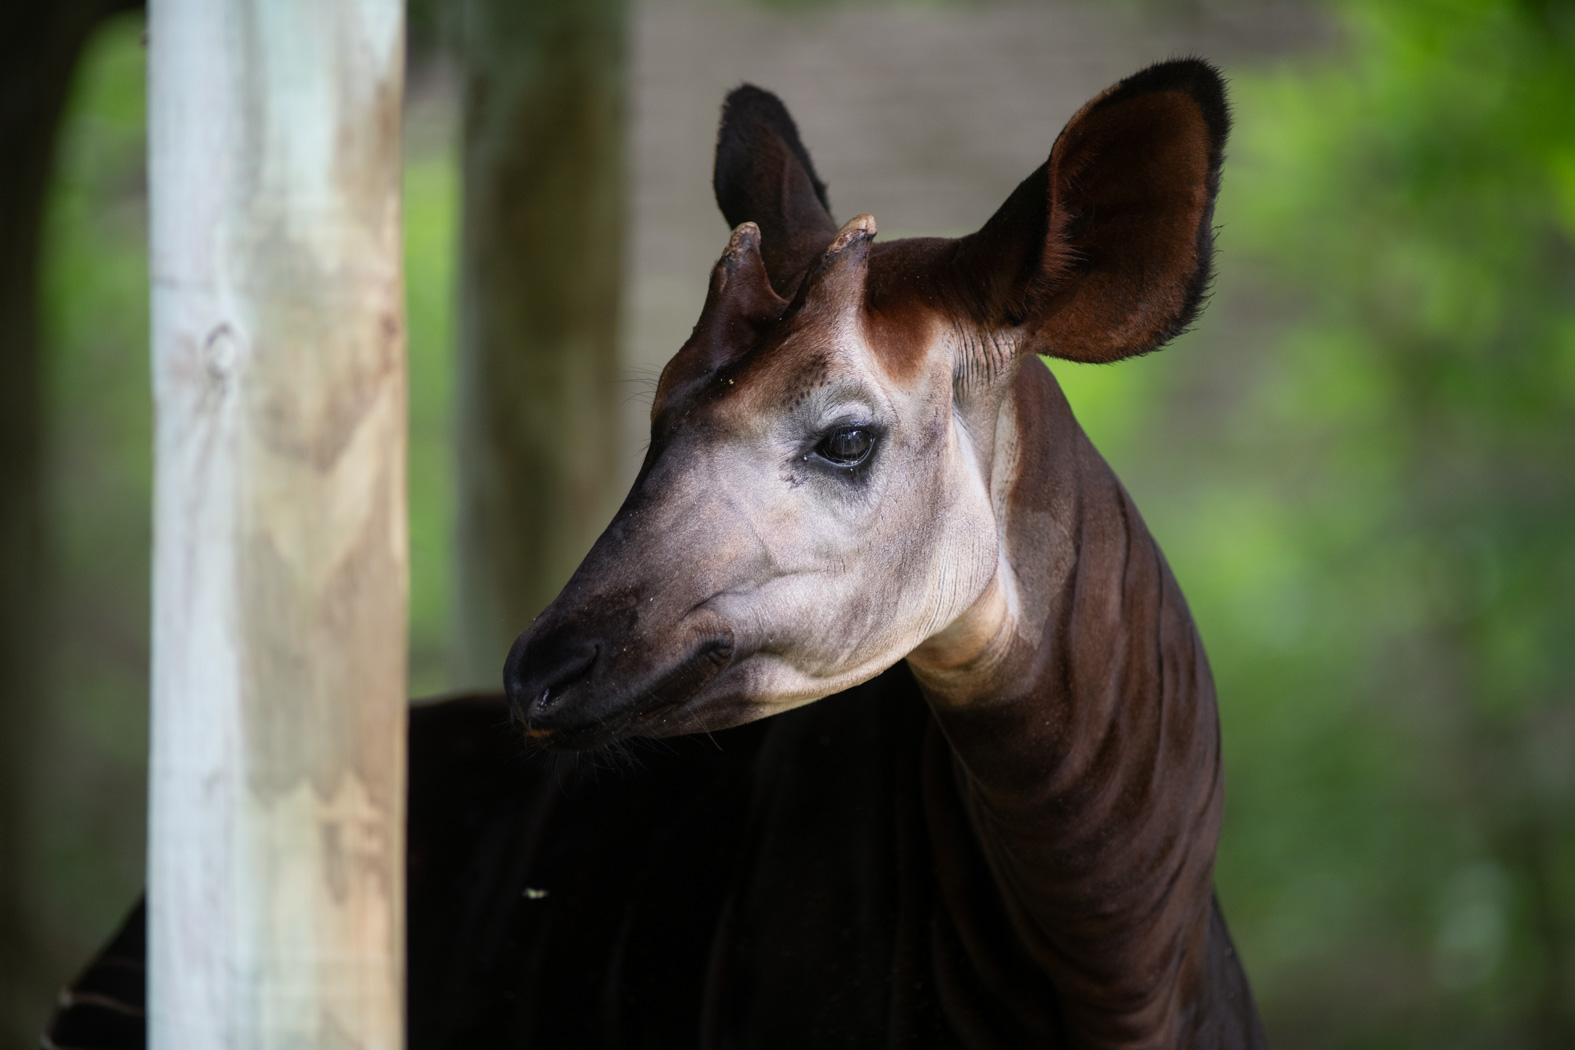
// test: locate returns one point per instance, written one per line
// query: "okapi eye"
(846, 446)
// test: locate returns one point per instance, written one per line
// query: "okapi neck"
(1085, 742)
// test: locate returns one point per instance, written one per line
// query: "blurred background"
(1360, 463)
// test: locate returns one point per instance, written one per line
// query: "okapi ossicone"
(863, 481)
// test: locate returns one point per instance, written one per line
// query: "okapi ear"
(763, 175)
(1106, 251)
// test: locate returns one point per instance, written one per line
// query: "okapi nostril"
(543, 670)
(542, 680)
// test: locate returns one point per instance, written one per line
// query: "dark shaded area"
(107, 1005)
(39, 45)
(771, 886)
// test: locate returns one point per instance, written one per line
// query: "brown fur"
(1091, 775)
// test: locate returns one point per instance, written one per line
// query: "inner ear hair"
(1106, 251)
(763, 175)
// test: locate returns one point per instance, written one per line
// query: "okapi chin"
(997, 825)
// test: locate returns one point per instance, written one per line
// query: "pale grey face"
(808, 514)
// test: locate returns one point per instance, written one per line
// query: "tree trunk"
(541, 266)
(276, 838)
(39, 46)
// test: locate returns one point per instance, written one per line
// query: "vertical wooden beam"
(276, 853)
(541, 267)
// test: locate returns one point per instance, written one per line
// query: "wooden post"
(541, 267)
(276, 852)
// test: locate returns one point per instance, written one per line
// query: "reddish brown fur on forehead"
(900, 303)
(906, 303)
(787, 366)
(781, 380)
(904, 297)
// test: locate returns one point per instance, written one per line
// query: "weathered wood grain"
(280, 561)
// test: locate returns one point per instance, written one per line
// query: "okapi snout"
(535, 686)
(578, 682)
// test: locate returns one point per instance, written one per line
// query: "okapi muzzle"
(833, 451)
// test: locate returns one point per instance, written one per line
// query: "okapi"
(863, 481)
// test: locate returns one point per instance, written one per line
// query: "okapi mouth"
(576, 694)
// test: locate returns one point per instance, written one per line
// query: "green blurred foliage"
(1380, 548)
(431, 241)
(1362, 466)
(86, 813)
(1419, 196)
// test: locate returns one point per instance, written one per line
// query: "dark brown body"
(1093, 781)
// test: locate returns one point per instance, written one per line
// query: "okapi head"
(830, 458)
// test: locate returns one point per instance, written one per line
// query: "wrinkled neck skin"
(1080, 711)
